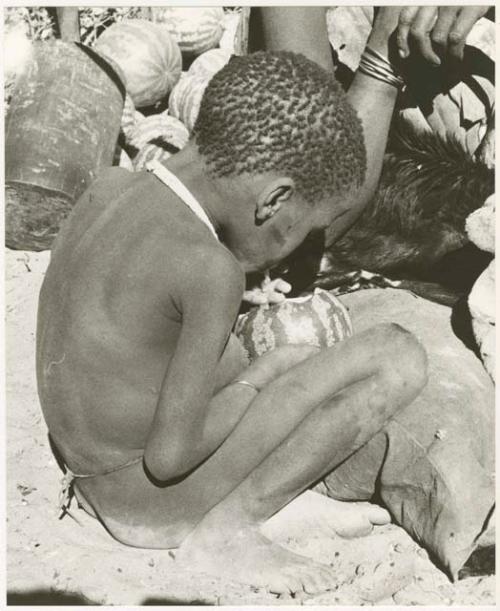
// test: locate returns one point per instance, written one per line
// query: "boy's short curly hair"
(280, 112)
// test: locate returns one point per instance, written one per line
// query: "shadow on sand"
(47, 597)
(53, 598)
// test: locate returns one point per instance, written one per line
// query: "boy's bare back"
(130, 255)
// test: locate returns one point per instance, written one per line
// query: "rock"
(439, 487)
(480, 227)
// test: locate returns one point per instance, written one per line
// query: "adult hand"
(381, 37)
(435, 31)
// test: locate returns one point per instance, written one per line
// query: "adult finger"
(441, 30)
(464, 22)
(406, 17)
(420, 31)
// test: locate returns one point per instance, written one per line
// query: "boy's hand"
(436, 30)
(269, 292)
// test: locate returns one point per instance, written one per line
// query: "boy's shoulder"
(212, 263)
(211, 274)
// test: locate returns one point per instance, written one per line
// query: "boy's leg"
(298, 427)
(314, 444)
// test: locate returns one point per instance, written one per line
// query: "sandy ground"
(64, 562)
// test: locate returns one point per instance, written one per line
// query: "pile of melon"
(166, 63)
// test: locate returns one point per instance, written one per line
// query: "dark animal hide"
(414, 228)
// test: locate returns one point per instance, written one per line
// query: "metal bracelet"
(245, 383)
(375, 65)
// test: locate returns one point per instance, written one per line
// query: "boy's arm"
(210, 298)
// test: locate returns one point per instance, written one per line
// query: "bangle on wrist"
(376, 66)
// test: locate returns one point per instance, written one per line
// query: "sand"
(65, 562)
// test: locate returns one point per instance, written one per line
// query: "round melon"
(160, 126)
(150, 152)
(130, 118)
(210, 62)
(148, 56)
(196, 29)
(319, 319)
(185, 99)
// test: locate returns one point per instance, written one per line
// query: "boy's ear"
(272, 197)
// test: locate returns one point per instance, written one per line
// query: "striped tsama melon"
(210, 62)
(185, 99)
(319, 320)
(196, 29)
(151, 152)
(130, 118)
(148, 56)
(160, 126)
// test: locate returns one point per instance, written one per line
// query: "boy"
(173, 439)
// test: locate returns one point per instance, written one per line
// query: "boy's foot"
(248, 557)
(313, 514)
